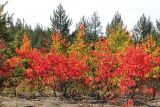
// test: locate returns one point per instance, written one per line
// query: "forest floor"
(61, 102)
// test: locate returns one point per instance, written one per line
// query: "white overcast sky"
(39, 11)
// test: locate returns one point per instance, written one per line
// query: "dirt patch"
(46, 102)
(58, 102)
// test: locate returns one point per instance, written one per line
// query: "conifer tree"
(95, 27)
(116, 21)
(143, 27)
(5, 21)
(60, 21)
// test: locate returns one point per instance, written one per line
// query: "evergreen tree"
(19, 24)
(85, 22)
(158, 24)
(71, 38)
(37, 37)
(94, 27)
(19, 30)
(116, 21)
(143, 27)
(156, 33)
(60, 21)
(5, 21)
(29, 30)
(108, 29)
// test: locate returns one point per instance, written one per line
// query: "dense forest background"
(60, 21)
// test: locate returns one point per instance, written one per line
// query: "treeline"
(61, 22)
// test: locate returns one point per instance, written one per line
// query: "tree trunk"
(154, 94)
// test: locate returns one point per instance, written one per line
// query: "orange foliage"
(26, 47)
(59, 44)
(14, 61)
(79, 48)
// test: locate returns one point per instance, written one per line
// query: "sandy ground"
(57, 102)
(45, 102)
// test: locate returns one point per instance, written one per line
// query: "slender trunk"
(63, 89)
(98, 96)
(65, 92)
(15, 91)
(133, 95)
(54, 89)
(154, 94)
(1, 88)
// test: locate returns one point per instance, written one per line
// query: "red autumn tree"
(133, 69)
(5, 69)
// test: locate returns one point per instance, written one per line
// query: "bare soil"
(59, 102)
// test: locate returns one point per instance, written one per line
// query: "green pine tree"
(94, 28)
(60, 21)
(116, 21)
(143, 27)
(5, 21)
